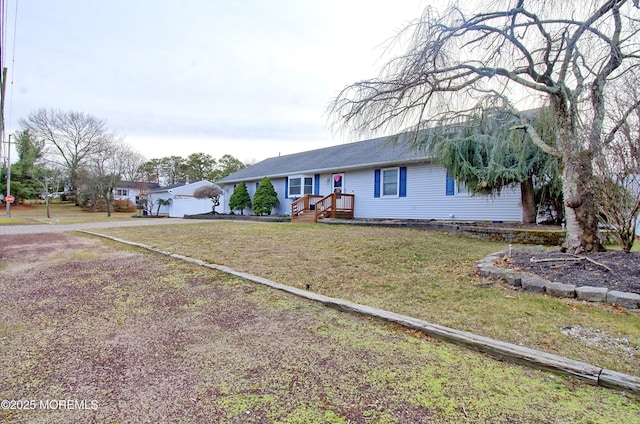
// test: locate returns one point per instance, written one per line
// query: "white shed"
(181, 200)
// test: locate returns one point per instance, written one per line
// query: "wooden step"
(304, 217)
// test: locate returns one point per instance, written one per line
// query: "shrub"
(123, 205)
(265, 198)
(240, 199)
(619, 199)
(92, 203)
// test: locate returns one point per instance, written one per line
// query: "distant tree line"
(75, 155)
(195, 167)
(69, 152)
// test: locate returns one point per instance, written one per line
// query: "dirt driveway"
(93, 332)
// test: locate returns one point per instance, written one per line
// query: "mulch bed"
(624, 273)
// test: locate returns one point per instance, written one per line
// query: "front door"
(338, 187)
(338, 183)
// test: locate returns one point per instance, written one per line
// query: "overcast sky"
(250, 78)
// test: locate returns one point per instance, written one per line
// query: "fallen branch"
(574, 258)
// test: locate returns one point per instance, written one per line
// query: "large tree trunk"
(580, 208)
(528, 201)
(107, 199)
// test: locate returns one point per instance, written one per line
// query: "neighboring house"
(182, 200)
(385, 179)
(133, 190)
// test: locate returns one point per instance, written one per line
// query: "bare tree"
(619, 197)
(130, 163)
(48, 176)
(71, 138)
(108, 166)
(618, 170)
(565, 53)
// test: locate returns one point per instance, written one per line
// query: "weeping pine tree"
(486, 155)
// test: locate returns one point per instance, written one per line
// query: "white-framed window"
(121, 192)
(389, 182)
(455, 188)
(300, 185)
(461, 188)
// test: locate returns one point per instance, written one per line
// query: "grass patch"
(424, 274)
(61, 213)
(17, 221)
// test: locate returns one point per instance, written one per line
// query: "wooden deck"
(312, 207)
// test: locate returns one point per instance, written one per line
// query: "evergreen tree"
(24, 173)
(265, 198)
(486, 155)
(240, 199)
(199, 166)
(227, 165)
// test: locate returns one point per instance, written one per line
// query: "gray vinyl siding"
(284, 208)
(426, 197)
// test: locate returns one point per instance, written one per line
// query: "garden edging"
(533, 283)
(530, 357)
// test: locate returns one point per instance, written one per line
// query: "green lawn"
(424, 274)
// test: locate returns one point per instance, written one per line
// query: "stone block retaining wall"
(532, 283)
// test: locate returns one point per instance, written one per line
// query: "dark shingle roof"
(169, 187)
(172, 186)
(375, 152)
(141, 185)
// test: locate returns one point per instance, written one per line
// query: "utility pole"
(3, 83)
(2, 91)
(8, 176)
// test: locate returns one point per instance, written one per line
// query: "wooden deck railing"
(304, 206)
(335, 206)
(312, 207)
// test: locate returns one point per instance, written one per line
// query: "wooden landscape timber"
(522, 355)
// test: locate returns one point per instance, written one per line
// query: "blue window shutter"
(316, 184)
(450, 186)
(403, 181)
(376, 182)
(286, 188)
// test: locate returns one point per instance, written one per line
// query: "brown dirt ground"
(129, 337)
(624, 273)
